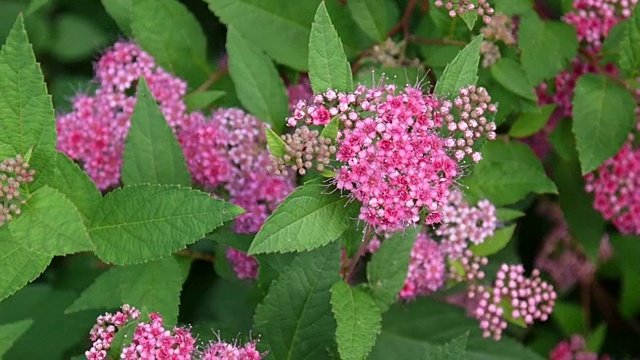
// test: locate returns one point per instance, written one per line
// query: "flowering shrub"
(321, 179)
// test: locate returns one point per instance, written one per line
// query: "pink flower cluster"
(152, 341)
(616, 186)
(426, 272)
(574, 349)
(14, 172)
(529, 298)
(395, 160)
(459, 7)
(463, 224)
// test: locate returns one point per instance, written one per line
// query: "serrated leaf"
(9, 334)
(272, 266)
(232, 239)
(156, 286)
(120, 12)
(630, 46)
(276, 145)
(469, 18)
(387, 270)
(146, 222)
(172, 35)
(358, 318)
(26, 111)
(528, 124)
(509, 74)
(505, 214)
(101, 294)
(415, 328)
(330, 130)
(546, 47)
(374, 17)
(258, 85)
(507, 173)
(284, 28)
(600, 131)
(295, 317)
(312, 216)
(462, 71)
(18, 265)
(152, 153)
(494, 243)
(73, 182)
(328, 65)
(201, 100)
(50, 224)
(452, 350)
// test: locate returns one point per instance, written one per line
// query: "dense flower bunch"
(459, 7)
(426, 272)
(574, 349)
(152, 341)
(14, 172)
(399, 151)
(500, 29)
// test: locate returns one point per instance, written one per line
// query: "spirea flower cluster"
(459, 7)
(399, 151)
(14, 172)
(152, 341)
(574, 349)
(426, 272)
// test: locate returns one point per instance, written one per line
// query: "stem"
(445, 41)
(351, 265)
(211, 80)
(404, 21)
(196, 255)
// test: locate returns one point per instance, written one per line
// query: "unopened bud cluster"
(390, 54)
(459, 7)
(499, 29)
(14, 172)
(305, 149)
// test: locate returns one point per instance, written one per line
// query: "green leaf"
(18, 265)
(102, 293)
(630, 294)
(374, 17)
(509, 74)
(563, 141)
(76, 37)
(358, 318)
(328, 65)
(121, 339)
(506, 214)
(596, 338)
(528, 124)
(418, 327)
(146, 222)
(26, 111)
(272, 266)
(120, 12)
(276, 145)
(546, 47)
(35, 6)
(312, 216)
(387, 270)
(495, 243)
(172, 35)
(50, 224)
(630, 46)
(71, 181)
(258, 85)
(612, 46)
(569, 317)
(284, 27)
(462, 71)
(507, 173)
(452, 350)
(201, 100)
(295, 317)
(600, 131)
(152, 153)
(469, 18)
(10, 333)
(626, 251)
(510, 7)
(585, 223)
(156, 286)
(330, 130)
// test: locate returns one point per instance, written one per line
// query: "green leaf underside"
(9, 333)
(600, 132)
(295, 318)
(358, 318)
(172, 35)
(462, 71)
(387, 270)
(152, 153)
(18, 265)
(507, 173)
(494, 243)
(50, 224)
(258, 85)
(328, 65)
(308, 218)
(146, 222)
(26, 111)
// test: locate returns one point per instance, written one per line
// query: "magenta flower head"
(426, 272)
(399, 152)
